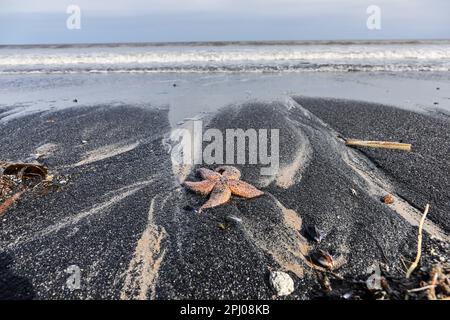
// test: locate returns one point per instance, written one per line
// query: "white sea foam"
(433, 56)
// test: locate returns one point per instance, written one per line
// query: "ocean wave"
(236, 69)
(229, 58)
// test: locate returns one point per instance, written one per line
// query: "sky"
(106, 21)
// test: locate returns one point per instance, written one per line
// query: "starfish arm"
(229, 172)
(208, 174)
(220, 194)
(203, 187)
(243, 189)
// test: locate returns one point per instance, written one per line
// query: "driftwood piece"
(378, 144)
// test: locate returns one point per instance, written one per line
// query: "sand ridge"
(143, 269)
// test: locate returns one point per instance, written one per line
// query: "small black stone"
(314, 234)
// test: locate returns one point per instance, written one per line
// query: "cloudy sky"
(44, 21)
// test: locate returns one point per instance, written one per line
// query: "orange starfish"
(221, 184)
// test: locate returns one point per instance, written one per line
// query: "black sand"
(42, 234)
(421, 176)
(125, 221)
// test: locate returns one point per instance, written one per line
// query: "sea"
(289, 56)
(197, 77)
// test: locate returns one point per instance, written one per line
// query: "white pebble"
(281, 282)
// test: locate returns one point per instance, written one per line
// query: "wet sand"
(121, 216)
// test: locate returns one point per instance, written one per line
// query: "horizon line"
(232, 42)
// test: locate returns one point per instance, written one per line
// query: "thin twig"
(419, 243)
(431, 286)
(404, 264)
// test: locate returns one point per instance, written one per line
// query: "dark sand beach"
(116, 210)
(420, 176)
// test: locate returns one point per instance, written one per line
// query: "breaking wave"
(203, 58)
